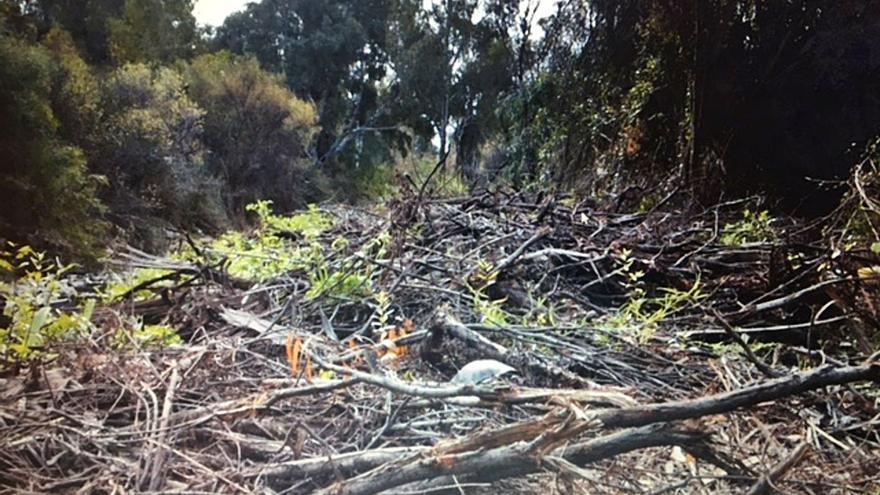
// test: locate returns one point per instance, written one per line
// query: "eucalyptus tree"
(456, 65)
(120, 31)
(329, 51)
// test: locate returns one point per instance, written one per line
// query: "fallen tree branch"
(158, 460)
(789, 298)
(766, 482)
(513, 460)
(458, 330)
(737, 399)
(761, 365)
(510, 260)
(348, 464)
(519, 457)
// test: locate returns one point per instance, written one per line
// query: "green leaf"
(21, 350)
(88, 310)
(39, 320)
(875, 248)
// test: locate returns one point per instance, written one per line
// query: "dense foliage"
(144, 137)
(45, 183)
(126, 113)
(256, 132)
(737, 95)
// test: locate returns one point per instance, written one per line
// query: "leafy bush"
(754, 227)
(310, 223)
(257, 133)
(122, 284)
(37, 306)
(152, 151)
(268, 253)
(379, 182)
(346, 282)
(141, 336)
(41, 174)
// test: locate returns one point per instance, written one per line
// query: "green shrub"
(122, 284)
(41, 174)
(37, 305)
(754, 227)
(642, 314)
(141, 336)
(310, 223)
(377, 182)
(490, 312)
(151, 148)
(257, 132)
(268, 252)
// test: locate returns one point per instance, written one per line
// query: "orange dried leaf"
(403, 333)
(357, 359)
(447, 461)
(288, 347)
(408, 326)
(293, 357)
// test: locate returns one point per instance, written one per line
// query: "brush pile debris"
(659, 352)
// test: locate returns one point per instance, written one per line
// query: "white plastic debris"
(480, 371)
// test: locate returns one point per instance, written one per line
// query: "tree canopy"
(298, 100)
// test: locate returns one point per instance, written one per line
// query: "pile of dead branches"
(650, 356)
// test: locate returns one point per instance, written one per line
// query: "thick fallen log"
(649, 425)
(515, 460)
(737, 399)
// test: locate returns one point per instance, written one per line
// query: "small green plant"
(542, 313)
(376, 247)
(383, 313)
(124, 283)
(340, 283)
(263, 256)
(754, 227)
(642, 315)
(727, 348)
(647, 203)
(631, 277)
(37, 296)
(490, 312)
(269, 253)
(310, 223)
(350, 278)
(158, 335)
(137, 335)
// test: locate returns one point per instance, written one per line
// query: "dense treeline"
(125, 117)
(733, 96)
(117, 118)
